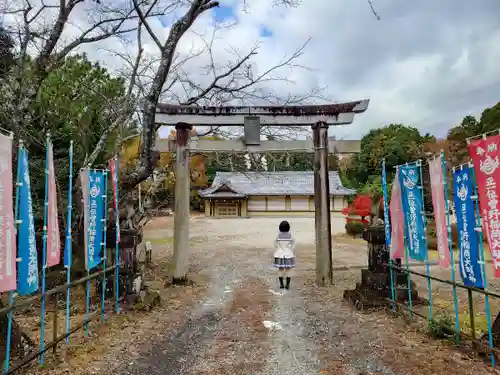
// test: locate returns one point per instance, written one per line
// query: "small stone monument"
(374, 290)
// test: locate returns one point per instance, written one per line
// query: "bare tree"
(237, 80)
(43, 37)
(45, 33)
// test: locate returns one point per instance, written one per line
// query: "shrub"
(354, 228)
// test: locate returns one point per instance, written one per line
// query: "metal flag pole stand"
(450, 246)
(427, 265)
(408, 273)
(87, 283)
(117, 238)
(407, 263)
(103, 244)
(69, 246)
(11, 293)
(44, 251)
(388, 232)
(479, 230)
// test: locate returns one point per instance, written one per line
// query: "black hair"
(284, 226)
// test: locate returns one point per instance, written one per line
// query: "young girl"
(284, 259)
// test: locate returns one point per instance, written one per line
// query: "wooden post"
(321, 204)
(181, 204)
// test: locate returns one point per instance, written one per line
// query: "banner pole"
(427, 265)
(69, 244)
(407, 262)
(105, 225)
(11, 293)
(44, 251)
(87, 284)
(482, 258)
(388, 232)
(450, 246)
(117, 238)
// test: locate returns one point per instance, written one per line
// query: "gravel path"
(235, 320)
(246, 325)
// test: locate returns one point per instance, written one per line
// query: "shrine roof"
(272, 183)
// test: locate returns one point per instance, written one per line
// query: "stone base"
(374, 290)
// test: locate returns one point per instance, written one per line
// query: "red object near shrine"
(361, 206)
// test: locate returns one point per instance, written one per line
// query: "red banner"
(53, 237)
(114, 183)
(439, 205)
(485, 156)
(7, 229)
(397, 220)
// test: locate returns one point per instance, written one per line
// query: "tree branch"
(149, 157)
(372, 7)
(143, 21)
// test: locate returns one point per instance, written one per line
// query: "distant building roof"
(241, 184)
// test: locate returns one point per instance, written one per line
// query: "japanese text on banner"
(485, 156)
(397, 220)
(28, 266)
(53, 236)
(95, 217)
(7, 230)
(412, 209)
(439, 205)
(470, 269)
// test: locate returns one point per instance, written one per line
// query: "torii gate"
(319, 117)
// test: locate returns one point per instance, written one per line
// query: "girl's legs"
(281, 273)
(288, 275)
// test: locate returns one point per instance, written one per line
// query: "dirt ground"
(235, 319)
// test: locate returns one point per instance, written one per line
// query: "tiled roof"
(272, 183)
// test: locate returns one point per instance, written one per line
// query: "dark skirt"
(284, 262)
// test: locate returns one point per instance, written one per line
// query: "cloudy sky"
(426, 63)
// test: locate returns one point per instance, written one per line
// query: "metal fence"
(461, 310)
(24, 280)
(26, 338)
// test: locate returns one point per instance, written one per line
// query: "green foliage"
(76, 101)
(6, 52)
(470, 127)
(373, 187)
(441, 326)
(354, 228)
(397, 143)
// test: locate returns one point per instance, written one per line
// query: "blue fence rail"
(470, 247)
(24, 280)
(55, 296)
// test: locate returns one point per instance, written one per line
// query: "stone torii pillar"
(319, 117)
(181, 202)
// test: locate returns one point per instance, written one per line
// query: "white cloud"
(425, 63)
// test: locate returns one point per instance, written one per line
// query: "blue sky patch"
(265, 32)
(223, 13)
(165, 22)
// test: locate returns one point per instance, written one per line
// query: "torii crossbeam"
(319, 117)
(331, 114)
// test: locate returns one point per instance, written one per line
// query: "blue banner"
(27, 282)
(95, 217)
(470, 269)
(412, 208)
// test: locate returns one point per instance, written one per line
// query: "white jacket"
(285, 245)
